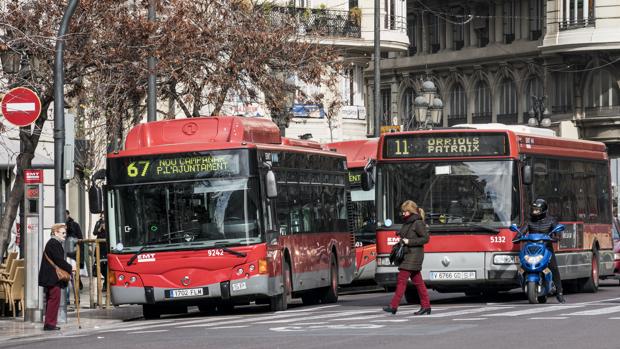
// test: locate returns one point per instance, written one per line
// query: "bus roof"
(523, 142)
(205, 133)
(358, 152)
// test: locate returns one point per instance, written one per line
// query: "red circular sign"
(21, 106)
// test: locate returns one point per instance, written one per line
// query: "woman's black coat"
(416, 232)
(47, 272)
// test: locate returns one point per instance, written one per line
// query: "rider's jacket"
(541, 225)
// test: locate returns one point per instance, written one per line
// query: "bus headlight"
(504, 259)
(533, 259)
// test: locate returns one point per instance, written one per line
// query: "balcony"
(508, 119)
(457, 119)
(459, 44)
(321, 22)
(606, 111)
(481, 118)
(562, 109)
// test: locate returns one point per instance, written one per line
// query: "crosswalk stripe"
(322, 316)
(253, 320)
(461, 312)
(168, 324)
(600, 311)
(537, 309)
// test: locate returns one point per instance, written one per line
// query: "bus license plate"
(189, 292)
(453, 275)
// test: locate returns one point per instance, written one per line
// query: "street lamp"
(540, 116)
(428, 107)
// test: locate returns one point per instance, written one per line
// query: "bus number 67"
(134, 170)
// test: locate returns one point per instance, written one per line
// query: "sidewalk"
(90, 319)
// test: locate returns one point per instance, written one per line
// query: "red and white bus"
(474, 183)
(359, 153)
(221, 211)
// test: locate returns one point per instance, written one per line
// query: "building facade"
(489, 58)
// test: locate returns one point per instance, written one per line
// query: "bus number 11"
(404, 146)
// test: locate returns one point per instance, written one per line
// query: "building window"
(510, 20)
(386, 106)
(603, 92)
(433, 33)
(507, 102)
(458, 34)
(408, 115)
(577, 14)
(458, 106)
(534, 87)
(482, 107)
(537, 17)
(562, 93)
(412, 32)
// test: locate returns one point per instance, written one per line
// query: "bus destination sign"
(355, 178)
(173, 167)
(440, 145)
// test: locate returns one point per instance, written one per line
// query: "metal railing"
(577, 23)
(457, 119)
(481, 118)
(321, 22)
(508, 119)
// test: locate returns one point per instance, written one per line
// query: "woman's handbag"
(60, 273)
(398, 253)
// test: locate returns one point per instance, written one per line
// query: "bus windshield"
(477, 193)
(364, 221)
(200, 213)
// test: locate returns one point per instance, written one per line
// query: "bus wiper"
(231, 251)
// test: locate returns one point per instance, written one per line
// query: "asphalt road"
(587, 320)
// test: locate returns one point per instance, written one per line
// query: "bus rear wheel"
(280, 302)
(591, 283)
(330, 294)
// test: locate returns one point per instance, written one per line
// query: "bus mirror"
(527, 174)
(95, 199)
(270, 184)
(367, 182)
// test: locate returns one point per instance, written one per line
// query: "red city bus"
(474, 183)
(359, 153)
(221, 211)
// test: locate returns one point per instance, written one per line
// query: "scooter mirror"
(558, 228)
(514, 228)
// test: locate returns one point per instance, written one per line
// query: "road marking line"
(307, 309)
(471, 319)
(153, 331)
(388, 320)
(461, 312)
(227, 327)
(607, 310)
(538, 309)
(550, 318)
(253, 320)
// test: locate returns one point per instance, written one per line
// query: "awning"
(9, 149)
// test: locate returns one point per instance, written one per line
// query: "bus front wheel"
(280, 302)
(590, 284)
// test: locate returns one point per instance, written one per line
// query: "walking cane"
(77, 300)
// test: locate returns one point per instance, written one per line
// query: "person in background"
(74, 233)
(414, 234)
(100, 232)
(47, 275)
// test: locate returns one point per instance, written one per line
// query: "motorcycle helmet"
(538, 209)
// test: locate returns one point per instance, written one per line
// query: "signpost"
(21, 106)
(33, 238)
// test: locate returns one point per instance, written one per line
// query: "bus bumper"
(254, 287)
(444, 272)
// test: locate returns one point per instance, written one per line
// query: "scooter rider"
(541, 222)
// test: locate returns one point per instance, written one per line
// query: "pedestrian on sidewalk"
(74, 233)
(413, 234)
(48, 278)
(101, 233)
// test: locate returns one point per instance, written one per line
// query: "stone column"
(425, 43)
(473, 36)
(517, 17)
(442, 34)
(491, 20)
(499, 21)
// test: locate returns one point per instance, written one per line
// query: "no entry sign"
(21, 106)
